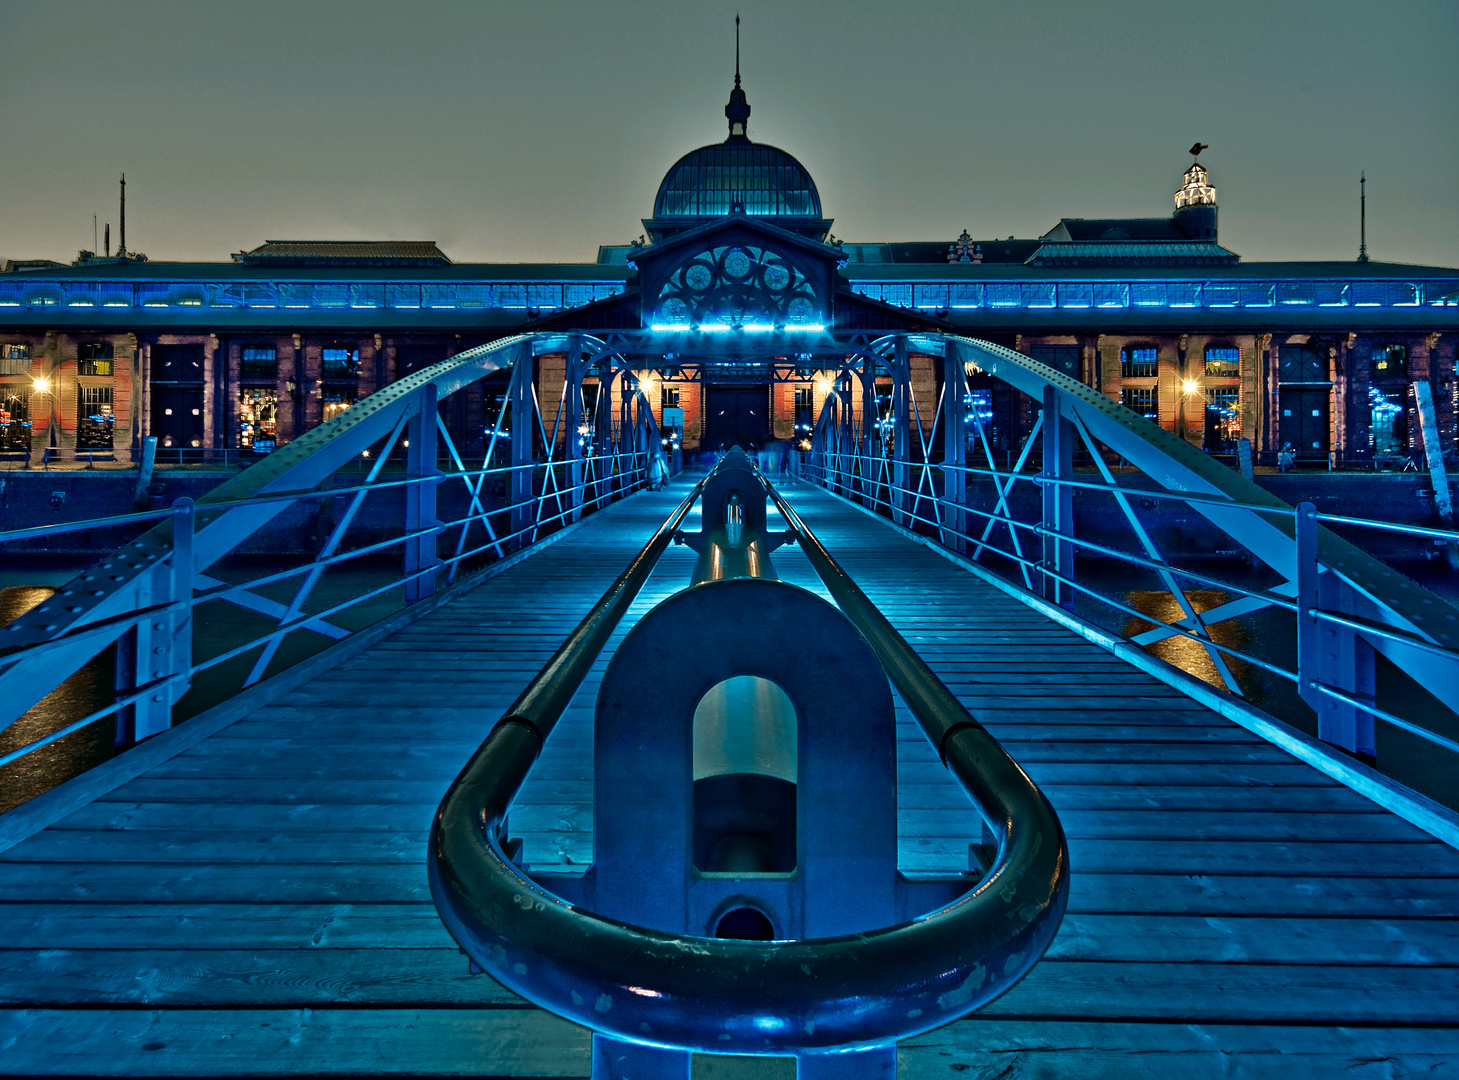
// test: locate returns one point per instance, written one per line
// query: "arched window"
(1223, 361)
(94, 358)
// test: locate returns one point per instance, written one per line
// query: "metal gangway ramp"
(249, 896)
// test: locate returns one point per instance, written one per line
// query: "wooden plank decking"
(257, 904)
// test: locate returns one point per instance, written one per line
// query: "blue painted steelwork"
(1349, 606)
(143, 596)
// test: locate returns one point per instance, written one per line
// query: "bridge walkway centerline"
(258, 902)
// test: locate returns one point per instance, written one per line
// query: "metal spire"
(1363, 216)
(737, 48)
(737, 112)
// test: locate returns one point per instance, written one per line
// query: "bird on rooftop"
(1198, 147)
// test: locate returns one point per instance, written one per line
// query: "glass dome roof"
(711, 181)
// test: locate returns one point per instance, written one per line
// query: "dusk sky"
(537, 131)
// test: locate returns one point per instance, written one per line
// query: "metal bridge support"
(1433, 444)
(1058, 499)
(521, 495)
(901, 494)
(420, 498)
(656, 819)
(866, 447)
(846, 431)
(573, 372)
(954, 452)
(159, 647)
(1328, 653)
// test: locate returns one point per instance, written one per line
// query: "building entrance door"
(1304, 421)
(736, 416)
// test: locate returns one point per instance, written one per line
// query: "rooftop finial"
(738, 109)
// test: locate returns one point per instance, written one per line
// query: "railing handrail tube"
(11, 535)
(1397, 721)
(1187, 497)
(650, 986)
(1390, 633)
(85, 721)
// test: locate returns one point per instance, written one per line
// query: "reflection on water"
(1270, 634)
(85, 692)
(1186, 653)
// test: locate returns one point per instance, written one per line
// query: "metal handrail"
(727, 996)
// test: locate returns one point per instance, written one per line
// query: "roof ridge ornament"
(737, 112)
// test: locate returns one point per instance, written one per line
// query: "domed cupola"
(737, 176)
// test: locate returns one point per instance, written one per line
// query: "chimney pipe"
(122, 240)
(106, 234)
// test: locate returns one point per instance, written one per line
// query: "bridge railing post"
(1058, 499)
(954, 451)
(573, 417)
(1330, 654)
(521, 494)
(900, 496)
(420, 498)
(159, 647)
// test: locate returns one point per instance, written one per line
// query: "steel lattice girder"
(1380, 595)
(126, 580)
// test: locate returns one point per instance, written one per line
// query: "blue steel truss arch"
(142, 597)
(1348, 604)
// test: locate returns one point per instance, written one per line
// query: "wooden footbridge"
(247, 895)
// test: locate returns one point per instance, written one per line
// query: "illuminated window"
(1223, 361)
(259, 362)
(1197, 189)
(1388, 423)
(1390, 361)
(258, 418)
(1140, 399)
(669, 397)
(94, 358)
(14, 359)
(335, 403)
(978, 416)
(341, 362)
(1138, 361)
(805, 404)
(14, 418)
(1223, 418)
(94, 420)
